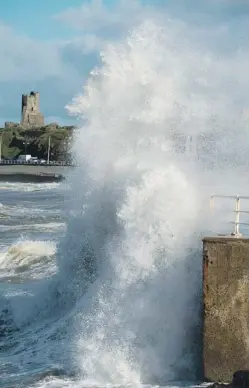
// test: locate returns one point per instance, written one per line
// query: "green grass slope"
(18, 141)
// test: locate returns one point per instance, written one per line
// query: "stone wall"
(11, 125)
(31, 115)
(225, 307)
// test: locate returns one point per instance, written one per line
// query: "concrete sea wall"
(225, 307)
(6, 169)
(33, 173)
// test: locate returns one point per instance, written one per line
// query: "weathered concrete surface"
(226, 307)
(6, 169)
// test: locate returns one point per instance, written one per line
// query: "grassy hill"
(17, 140)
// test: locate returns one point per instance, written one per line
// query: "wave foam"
(24, 254)
(28, 187)
(138, 203)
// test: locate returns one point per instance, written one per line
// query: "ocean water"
(43, 313)
(71, 319)
(100, 275)
(31, 225)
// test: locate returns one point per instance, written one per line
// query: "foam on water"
(22, 255)
(51, 226)
(140, 212)
(142, 205)
(28, 187)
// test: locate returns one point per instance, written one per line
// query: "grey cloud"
(95, 17)
(58, 69)
(217, 24)
(24, 58)
(27, 64)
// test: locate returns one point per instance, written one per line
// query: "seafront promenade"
(20, 171)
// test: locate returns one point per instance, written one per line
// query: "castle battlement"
(31, 115)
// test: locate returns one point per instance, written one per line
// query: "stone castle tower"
(31, 115)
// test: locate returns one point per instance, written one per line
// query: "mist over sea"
(100, 275)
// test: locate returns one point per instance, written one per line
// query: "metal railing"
(36, 163)
(236, 232)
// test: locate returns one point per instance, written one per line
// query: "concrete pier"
(225, 307)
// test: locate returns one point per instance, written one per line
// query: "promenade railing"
(36, 163)
(236, 232)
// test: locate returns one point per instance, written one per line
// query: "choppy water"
(31, 224)
(36, 349)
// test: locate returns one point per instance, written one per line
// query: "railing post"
(237, 212)
(236, 230)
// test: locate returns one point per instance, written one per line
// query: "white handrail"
(237, 211)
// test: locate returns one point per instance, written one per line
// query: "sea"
(41, 303)
(101, 274)
(47, 303)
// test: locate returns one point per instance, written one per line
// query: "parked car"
(33, 160)
(24, 158)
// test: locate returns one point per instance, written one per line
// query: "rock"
(220, 385)
(241, 379)
(52, 126)
(10, 124)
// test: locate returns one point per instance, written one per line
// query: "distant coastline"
(32, 137)
(16, 140)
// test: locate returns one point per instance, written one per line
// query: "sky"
(50, 46)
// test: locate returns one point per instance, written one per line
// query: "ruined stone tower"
(31, 116)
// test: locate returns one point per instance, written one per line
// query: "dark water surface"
(31, 223)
